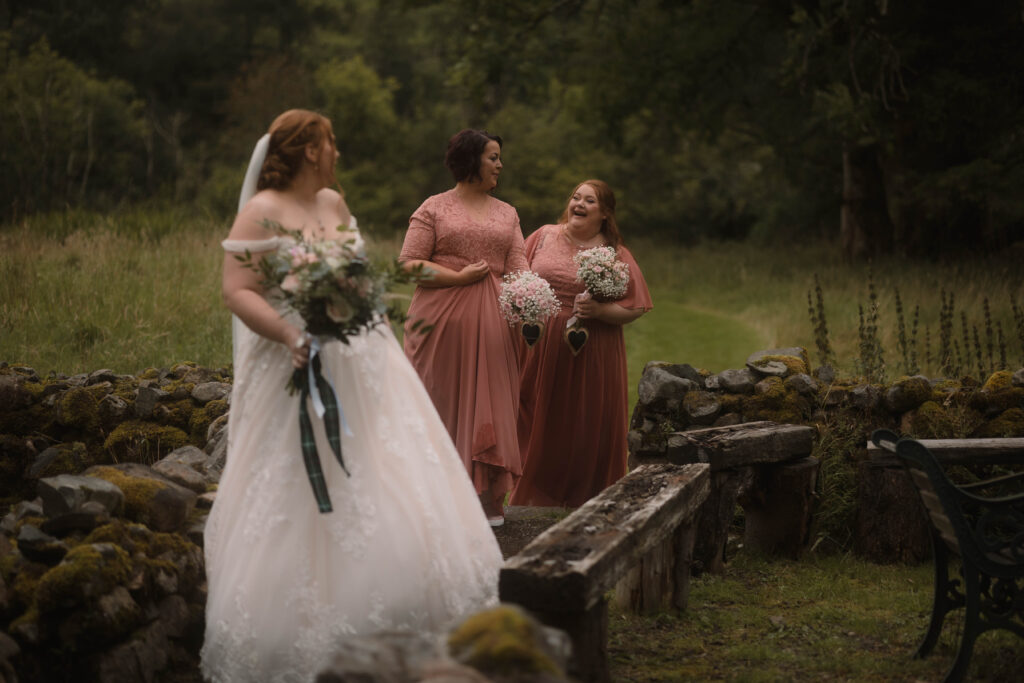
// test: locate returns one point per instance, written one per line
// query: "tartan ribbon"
(313, 385)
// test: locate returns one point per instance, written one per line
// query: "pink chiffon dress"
(468, 361)
(573, 410)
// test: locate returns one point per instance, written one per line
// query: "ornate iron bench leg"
(971, 628)
(946, 597)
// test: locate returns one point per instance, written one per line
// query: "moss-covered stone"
(201, 419)
(88, 571)
(931, 421)
(1003, 379)
(907, 393)
(138, 491)
(69, 459)
(502, 640)
(1009, 424)
(137, 441)
(79, 408)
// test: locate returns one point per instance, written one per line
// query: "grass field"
(133, 290)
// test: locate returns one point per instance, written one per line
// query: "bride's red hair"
(290, 134)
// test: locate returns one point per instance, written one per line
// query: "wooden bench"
(984, 532)
(766, 468)
(637, 533)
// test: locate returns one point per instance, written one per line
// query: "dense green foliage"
(711, 118)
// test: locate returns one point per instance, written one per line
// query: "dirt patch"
(523, 524)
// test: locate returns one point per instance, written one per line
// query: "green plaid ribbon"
(332, 419)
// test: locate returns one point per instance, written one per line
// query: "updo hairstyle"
(290, 134)
(464, 151)
(606, 200)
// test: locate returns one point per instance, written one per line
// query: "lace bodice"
(443, 231)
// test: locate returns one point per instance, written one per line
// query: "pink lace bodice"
(444, 232)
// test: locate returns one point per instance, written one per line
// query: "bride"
(407, 546)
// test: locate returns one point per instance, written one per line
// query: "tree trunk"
(865, 226)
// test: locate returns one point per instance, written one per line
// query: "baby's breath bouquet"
(527, 300)
(602, 273)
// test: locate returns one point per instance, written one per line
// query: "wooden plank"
(739, 445)
(571, 565)
(996, 451)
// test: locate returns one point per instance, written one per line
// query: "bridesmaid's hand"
(474, 272)
(300, 350)
(587, 307)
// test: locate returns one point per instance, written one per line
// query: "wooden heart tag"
(531, 332)
(576, 337)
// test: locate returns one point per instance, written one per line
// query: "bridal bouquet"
(333, 286)
(602, 273)
(527, 300)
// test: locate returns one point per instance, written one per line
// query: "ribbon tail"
(311, 458)
(332, 415)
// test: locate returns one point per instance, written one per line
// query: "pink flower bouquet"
(527, 300)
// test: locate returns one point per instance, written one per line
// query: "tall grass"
(138, 288)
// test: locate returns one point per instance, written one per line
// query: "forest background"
(752, 144)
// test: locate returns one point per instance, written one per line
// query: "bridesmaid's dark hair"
(290, 134)
(606, 200)
(464, 151)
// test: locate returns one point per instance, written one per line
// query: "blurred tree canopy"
(885, 126)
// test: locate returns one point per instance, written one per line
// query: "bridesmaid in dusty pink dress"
(573, 407)
(468, 363)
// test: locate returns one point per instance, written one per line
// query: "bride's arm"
(243, 294)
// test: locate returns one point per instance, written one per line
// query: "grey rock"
(772, 368)
(865, 397)
(13, 394)
(90, 515)
(28, 508)
(189, 456)
(825, 374)
(181, 474)
(38, 546)
(67, 492)
(146, 400)
(205, 500)
(836, 396)
(210, 391)
(1018, 378)
(796, 351)
(802, 383)
(113, 409)
(217, 443)
(46, 458)
(383, 657)
(104, 375)
(713, 383)
(9, 524)
(701, 407)
(78, 380)
(657, 385)
(737, 381)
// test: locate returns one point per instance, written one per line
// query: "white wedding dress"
(407, 546)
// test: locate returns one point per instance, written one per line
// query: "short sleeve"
(515, 258)
(637, 295)
(421, 236)
(534, 242)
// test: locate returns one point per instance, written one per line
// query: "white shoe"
(496, 521)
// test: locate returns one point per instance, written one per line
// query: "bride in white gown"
(407, 546)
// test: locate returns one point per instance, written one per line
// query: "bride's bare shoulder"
(334, 202)
(262, 210)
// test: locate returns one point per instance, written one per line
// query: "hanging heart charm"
(576, 337)
(531, 332)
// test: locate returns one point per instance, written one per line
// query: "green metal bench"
(984, 532)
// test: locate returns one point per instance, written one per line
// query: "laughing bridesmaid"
(573, 387)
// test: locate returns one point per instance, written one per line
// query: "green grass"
(824, 618)
(138, 289)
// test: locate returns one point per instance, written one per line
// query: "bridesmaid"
(468, 240)
(573, 408)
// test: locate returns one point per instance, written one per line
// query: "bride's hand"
(300, 350)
